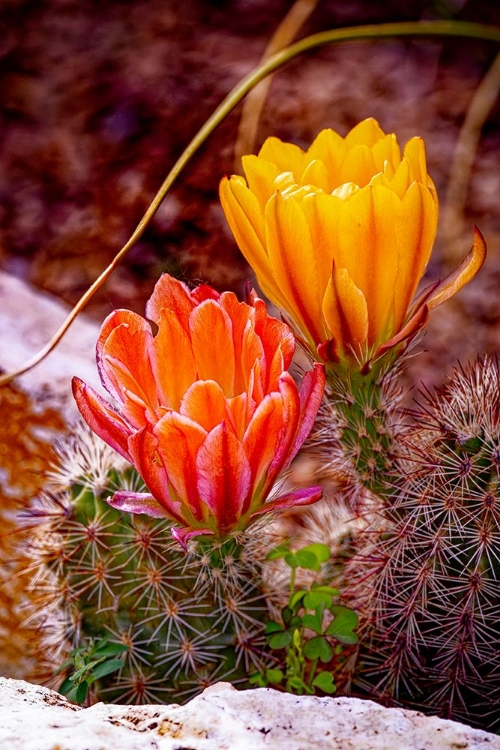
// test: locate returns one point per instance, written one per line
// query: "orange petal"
(131, 323)
(205, 404)
(179, 440)
(101, 418)
(270, 434)
(311, 396)
(247, 345)
(138, 502)
(241, 409)
(318, 175)
(278, 342)
(213, 348)
(263, 440)
(223, 477)
(172, 360)
(170, 294)
(144, 451)
(466, 271)
(345, 310)
(303, 496)
(414, 325)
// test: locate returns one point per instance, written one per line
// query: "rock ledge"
(222, 718)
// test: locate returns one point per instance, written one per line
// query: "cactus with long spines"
(187, 619)
(426, 572)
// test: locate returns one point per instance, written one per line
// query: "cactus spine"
(187, 620)
(426, 573)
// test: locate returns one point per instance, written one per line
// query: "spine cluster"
(426, 572)
(187, 619)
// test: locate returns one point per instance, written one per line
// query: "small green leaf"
(291, 559)
(297, 684)
(66, 686)
(324, 681)
(273, 627)
(111, 649)
(79, 661)
(278, 552)
(320, 551)
(81, 692)
(286, 614)
(279, 640)
(307, 560)
(325, 589)
(313, 622)
(274, 676)
(296, 598)
(258, 680)
(107, 667)
(342, 626)
(314, 599)
(318, 648)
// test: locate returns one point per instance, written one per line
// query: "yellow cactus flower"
(339, 237)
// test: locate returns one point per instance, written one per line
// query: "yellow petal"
(345, 310)
(386, 150)
(416, 228)
(357, 166)
(293, 263)
(260, 175)
(287, 156)
(246, 221)
(414, 151)
(322, 214)
(365, 133)
(329, 148)
(368, 249)
(317, 174)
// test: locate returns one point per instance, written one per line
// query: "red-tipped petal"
(268, 437)
(213, 349)
(131, 323)
(137, 502)
(292, 499)
(179, 439)
(101, 418)
(224, 477)
(184, 535)
(311, 395)
(146, 458)
(170, 294)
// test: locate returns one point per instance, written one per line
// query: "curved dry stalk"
(333, 36)
(254, 103)
(481, 104)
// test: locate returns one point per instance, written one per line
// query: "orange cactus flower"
(339, 237)
(208, 413)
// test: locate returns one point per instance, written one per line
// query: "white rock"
(28, 320)
(222, 718)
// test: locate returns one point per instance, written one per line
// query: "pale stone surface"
(28, 320)
(222, 718)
